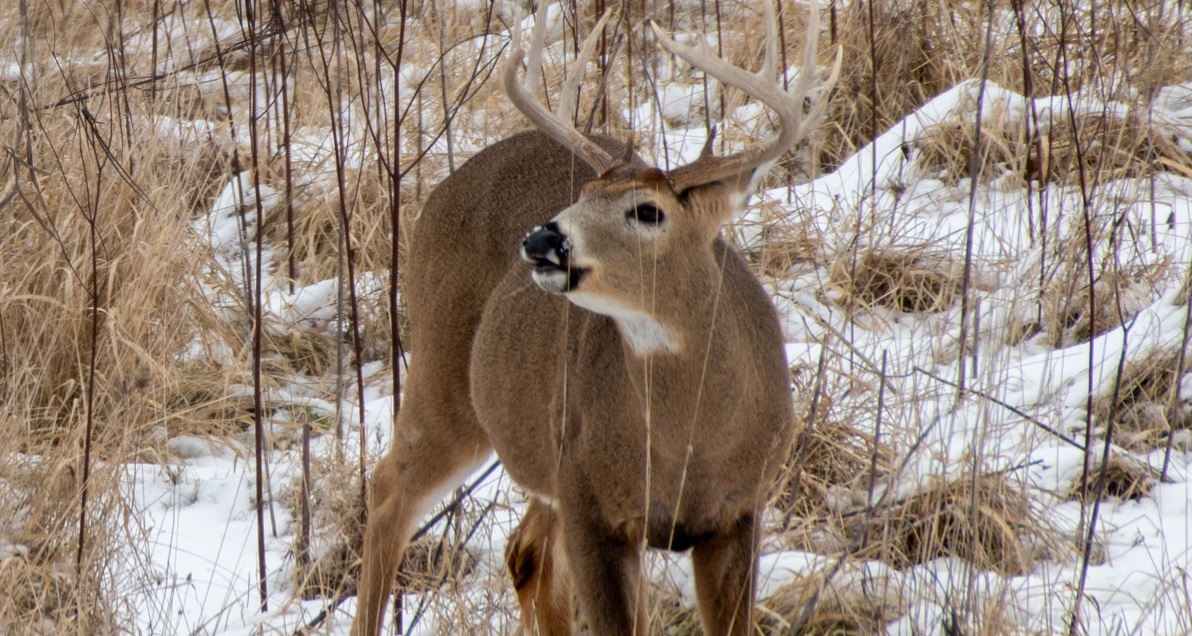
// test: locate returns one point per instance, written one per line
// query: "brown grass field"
(125, 325)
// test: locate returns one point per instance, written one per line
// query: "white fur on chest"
(644, 334)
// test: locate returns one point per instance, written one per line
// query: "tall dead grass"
(124, 121)
(901, 53)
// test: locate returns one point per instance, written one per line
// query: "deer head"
(625, 247)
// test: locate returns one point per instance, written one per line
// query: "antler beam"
(794, 124)
(557, 126)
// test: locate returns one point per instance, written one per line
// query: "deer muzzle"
(550, 252)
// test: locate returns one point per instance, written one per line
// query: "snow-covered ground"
(193, 567)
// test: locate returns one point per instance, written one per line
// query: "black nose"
(545, 246)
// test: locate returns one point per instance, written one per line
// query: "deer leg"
(726, 577)
(537, 562)
(607, 572)
(434, 450)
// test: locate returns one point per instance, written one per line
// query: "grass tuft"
(992, 528)
(1124, 479)
(1141, 413)
(839, 609)
(913, 281)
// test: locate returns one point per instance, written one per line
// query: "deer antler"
(793, 123)
(557, 126)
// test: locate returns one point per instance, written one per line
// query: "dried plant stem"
(1099, 490)
(447, 118)
(392, 166)
(333, 89)
(804, 443)
(291, 266)
(5, 365)
(1086, 194)
(1173, 404)
(153, 50)
(302, 549)
(975, 160)
(877, 440)
(397, 351)
(93, 289)
(257, 300)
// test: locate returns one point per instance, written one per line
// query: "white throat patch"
(644, 334)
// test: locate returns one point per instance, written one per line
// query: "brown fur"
(460, 248)
(633, 376)
(570, 407)
(538, 565)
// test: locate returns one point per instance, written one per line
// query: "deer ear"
(710, 206)
(740, 185)
(725, 171)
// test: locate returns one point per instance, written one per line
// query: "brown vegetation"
(108, 162)
(910, 281)
(991, 527)
(1144, 415)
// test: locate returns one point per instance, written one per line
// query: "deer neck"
(668, 323)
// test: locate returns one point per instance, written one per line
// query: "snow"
(196, 572)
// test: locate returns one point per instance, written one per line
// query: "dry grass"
(1124, 279)
(1096, 148)
(48, 590)
(838, 609)
(337, 528)
(992, 528)
(1123, 478)
(1141, 412)
(829, 471)
(39, 596)
(1106, 147)
(669, 615)
(903, 280)
(945, 151)
(920, 56)
(785, 242)
(925, 48)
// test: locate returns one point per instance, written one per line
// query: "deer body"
(565, 395)
(625, 365)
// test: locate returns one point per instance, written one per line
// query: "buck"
(623, 362)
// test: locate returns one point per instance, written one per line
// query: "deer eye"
(646, 213)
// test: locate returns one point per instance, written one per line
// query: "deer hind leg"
(436, 445)
(725, 579)
(538, 565)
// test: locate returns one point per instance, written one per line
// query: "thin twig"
(257, 313)
(976, 158)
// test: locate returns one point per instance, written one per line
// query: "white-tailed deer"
(627, 367)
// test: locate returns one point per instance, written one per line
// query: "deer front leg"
(433, 451)
(726, 577)
(538, 564)
(607, 572)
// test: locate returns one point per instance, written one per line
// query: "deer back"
(465, 239)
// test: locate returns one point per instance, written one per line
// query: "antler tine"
(557, 126)
(570, 95)
(537, 43)
(793, 123)
(770, 61)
